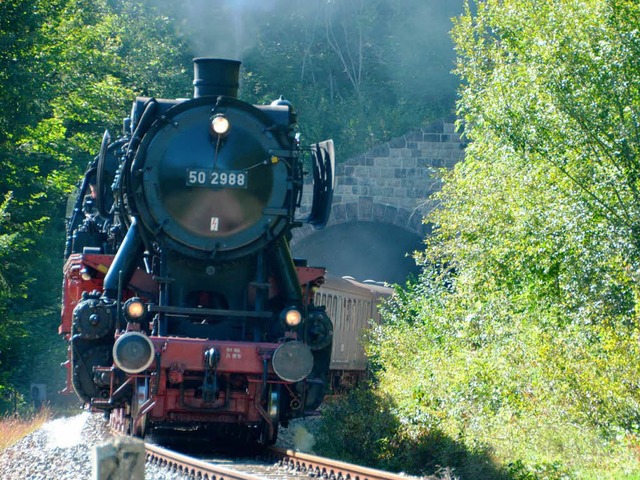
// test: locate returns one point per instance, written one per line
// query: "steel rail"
(192, 466)
(322, 467)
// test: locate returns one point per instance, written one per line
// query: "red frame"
(181, 356)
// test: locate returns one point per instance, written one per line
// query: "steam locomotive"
(182, 304)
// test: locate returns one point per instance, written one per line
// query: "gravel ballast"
(62, 449)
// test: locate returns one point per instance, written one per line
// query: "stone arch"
(391, 184)
(366, 210)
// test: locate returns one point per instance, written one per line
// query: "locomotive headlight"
(292, 317)
(134, 309)
(292, 361)
(133, 352)
(220, 124)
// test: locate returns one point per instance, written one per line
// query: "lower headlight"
(133, 352)
(292, 361)
(134, 309)
(292, 317)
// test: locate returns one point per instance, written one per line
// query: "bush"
(541, 398)
(364, 428)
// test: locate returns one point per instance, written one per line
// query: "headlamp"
(134, 309)
(292, 317)
(292, 361)
(133, 352)
(220, 124)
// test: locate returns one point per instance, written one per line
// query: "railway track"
(320, 467)
(192, 467)
(291, 464)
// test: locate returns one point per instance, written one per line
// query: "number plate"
(202, 177)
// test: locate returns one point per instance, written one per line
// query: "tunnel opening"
(362, 250)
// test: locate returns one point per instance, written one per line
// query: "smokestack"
(215, 76)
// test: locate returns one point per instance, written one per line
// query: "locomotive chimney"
(215, 76)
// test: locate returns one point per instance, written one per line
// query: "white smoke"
(223, 29)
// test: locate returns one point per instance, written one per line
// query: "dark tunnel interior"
(362, 250)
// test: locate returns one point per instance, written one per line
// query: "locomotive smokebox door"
(228, 195)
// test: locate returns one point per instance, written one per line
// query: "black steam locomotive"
(182, 303)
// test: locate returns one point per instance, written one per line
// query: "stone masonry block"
(352, 212)
(415, 222)
(435, 127)
(396, 161)
(365, 209)
(339, 212)
(361, 190)
(400, 173)
(122, 458)
(390, 213)
(351, 180)
(358, 160)
(380, 150)
(409, 162)
(399, 142)
(378, 211)
(350, 198)
(402, 218)
(360, 172)
(384, 191)
(414, 136)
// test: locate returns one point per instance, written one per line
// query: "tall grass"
(14, 428)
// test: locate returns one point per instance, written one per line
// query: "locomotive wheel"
(140, 395)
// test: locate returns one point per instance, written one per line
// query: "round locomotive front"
(209, 179)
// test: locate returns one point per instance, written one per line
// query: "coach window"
(335, 311)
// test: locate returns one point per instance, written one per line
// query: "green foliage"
(363, 428)
(358, 72)
(543, 396)
(524, 341)
(66, 76)
(360, 428)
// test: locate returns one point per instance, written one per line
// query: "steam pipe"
(124, 261)
(148, 115)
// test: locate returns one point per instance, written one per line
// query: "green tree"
(69, 69)
(358, 71)
(524, 339)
